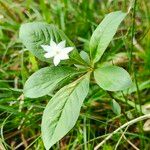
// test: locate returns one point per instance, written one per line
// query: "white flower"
(57, 51)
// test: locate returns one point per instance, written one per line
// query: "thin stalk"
(133, 68)
(121, 127)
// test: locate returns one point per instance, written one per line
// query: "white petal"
(63, 56)
(46, 48)
(56, 60)
(68, 49)
(49, 55)
(52, 43)
(62, 44)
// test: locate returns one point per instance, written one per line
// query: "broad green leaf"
(61, 113)
(104, 33)
(45, 80)
(33, 35)
(116, 107)
(112, 78)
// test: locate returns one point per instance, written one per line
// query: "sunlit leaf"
(104, 33)
(35, 34)
(112, 78)
(45, 80)
(61, 113)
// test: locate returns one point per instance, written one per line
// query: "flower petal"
(67, 49)
(56, 60)
(49, 55)
(52, 43)
(46, 48)
(62, 44)
(63, 56)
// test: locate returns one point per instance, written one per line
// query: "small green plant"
(69, 81)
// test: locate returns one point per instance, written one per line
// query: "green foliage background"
(20, 117)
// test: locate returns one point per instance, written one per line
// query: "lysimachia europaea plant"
(51, 45)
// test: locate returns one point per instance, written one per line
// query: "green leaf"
(112, 78)
(116, 107)
(61, 113)
(33, 35)
(45, 80)
(104, 33)
(84, 55)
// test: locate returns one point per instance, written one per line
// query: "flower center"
(57, 52)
